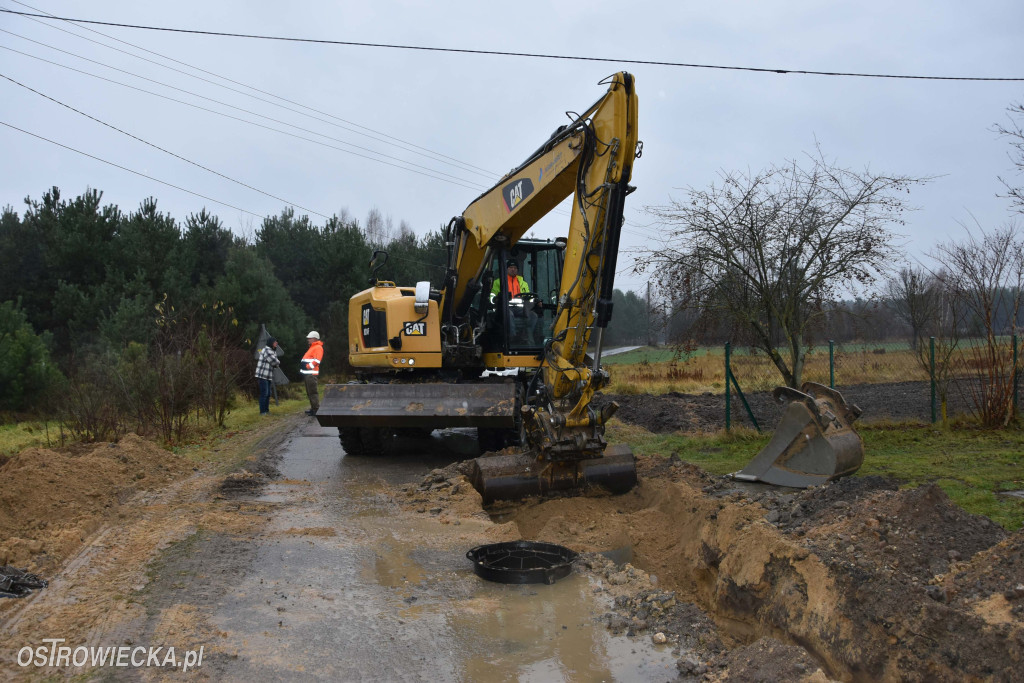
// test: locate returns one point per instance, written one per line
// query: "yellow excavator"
(431, 357)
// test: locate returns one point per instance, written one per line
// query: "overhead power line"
(231, 106)
(254, 123)
(535, 55)
(157, 147)
(370, 132)
(143, 175)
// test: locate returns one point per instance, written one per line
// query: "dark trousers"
(264, 395)
(311, 392)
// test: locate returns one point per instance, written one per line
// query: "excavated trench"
(857, 578)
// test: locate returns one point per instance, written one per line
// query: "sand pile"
(51, 500)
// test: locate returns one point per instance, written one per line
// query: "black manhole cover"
(522, 562)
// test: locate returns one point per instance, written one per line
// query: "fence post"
(931, 372)
(1014, 376)
(728, 375)
(831, 364)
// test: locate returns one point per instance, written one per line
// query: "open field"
(662, 370)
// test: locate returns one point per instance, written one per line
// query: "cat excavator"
(508, 356)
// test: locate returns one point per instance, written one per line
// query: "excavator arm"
(590, 159)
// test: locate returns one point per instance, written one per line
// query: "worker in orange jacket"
(310, 369)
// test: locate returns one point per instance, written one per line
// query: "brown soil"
(50, 501)
(854, 580)
(90, 519)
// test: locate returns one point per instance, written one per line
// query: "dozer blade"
(432, 406)
(814, 442)
(511, 477)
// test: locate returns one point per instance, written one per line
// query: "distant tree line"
(107, 314)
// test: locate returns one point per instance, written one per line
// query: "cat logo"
(514, 193)
(366, 316)
(415, 329)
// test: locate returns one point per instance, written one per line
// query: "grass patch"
(971, 465)
(650, 354)
(211, 444)
(660, 371)
(18, 436)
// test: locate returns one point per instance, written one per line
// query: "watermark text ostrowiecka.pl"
(53, 654)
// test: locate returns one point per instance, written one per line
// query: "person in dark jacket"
(265, 364)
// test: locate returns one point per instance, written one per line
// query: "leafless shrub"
(984, 275)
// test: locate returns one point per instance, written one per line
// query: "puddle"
(552, 633)
(393, 568)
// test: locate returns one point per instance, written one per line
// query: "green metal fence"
(896, 380)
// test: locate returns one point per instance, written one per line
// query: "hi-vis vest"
(516, 286)
(310, 364)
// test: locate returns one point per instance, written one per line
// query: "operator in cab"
(521, 319)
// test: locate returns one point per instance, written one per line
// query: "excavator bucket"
(814, 442)
(519, 475)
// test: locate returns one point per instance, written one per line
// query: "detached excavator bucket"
(813, 443)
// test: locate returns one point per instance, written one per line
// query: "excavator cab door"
(520, 322)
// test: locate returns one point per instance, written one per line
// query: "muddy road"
(318, 573)
(342, 584)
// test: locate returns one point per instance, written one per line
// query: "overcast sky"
(418, 135)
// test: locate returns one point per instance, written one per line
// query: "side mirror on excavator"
(375, 266)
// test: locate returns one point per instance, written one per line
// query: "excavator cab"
(519, 310)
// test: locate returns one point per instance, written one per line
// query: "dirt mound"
(50, 500)
(857, 578)
(997, 571)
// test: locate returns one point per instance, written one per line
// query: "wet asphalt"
(343, 585)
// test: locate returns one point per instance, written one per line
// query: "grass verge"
(971, 465)
(205, 441)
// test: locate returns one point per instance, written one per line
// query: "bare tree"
(774, 249)
(924, 300)
(1015, 133)
(379, 229)
(985, 274)
(915, 296)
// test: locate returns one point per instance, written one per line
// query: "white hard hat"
(313, 335)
